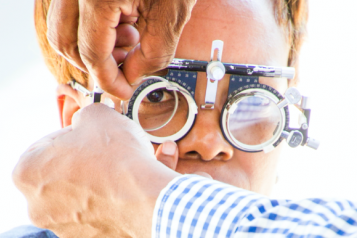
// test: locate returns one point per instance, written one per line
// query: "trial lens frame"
(243, 77)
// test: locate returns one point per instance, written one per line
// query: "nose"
(205, 141)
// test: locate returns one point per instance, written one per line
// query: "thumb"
(167, 153)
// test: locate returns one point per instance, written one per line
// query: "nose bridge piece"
(215, 71)
(217, 45)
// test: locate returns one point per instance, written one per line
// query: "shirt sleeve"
(28, 231)
(194, 206)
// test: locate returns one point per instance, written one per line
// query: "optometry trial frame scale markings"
(254, 118)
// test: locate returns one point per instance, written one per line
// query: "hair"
(292, 15)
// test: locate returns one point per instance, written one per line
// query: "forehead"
(248, 28)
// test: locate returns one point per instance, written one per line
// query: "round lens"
(255, 120)
(156, 109)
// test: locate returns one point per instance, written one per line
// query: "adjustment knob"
(217, 73)
(294, 138)
(312, 143)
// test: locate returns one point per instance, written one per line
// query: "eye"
(158, 96)
(155, 96)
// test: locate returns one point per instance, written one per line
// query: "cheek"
(252, 171)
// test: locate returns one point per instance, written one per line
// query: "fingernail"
(137, 82)
(169, 148)
(134, 84)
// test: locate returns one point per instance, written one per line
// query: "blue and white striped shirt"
(194, 206)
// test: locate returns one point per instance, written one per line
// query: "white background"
(328, 72)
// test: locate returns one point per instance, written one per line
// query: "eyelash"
(157, 104)
(165, 95)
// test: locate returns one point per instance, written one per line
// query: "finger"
(167, 153)
(164, 23)
(62, 24)
(94, 116)
(128, 19)
(30, 161)
(96, 41)
(119, 55)
(127, 35)
(49, 138)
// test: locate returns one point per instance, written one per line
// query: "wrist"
(150, 179)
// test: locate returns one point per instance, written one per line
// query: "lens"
(255, 120)
(156, 109)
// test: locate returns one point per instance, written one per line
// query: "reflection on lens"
(156, 109)
(255, 120)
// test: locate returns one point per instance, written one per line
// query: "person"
(75, 196)
(143, 198)
(262, 39)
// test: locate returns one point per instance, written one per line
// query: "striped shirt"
(194, 206)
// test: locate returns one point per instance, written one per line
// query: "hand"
(97, 178)
(85, 32)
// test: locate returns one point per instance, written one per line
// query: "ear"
(294, 82)
(68, 101)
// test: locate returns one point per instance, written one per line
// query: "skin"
(63, 175)
(255, 39)
(104, 148)
(90, 41)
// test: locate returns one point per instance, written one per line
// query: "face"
(252, 36)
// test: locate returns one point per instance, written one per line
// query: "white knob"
(312, 143)
(217, 73)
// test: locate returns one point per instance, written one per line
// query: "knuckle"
(157, 59)
(41, 219)
(114, 6)
(83, 112)
(20, 174)
(107, 6)
(23, 180)
(63, 46)
(91, 52)
(52, 40)
(37, 219)
(165, 29)
(106, 84)
(183, 14)
(27, 174)
(177, 20)
(89, 115)
(89, 57)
